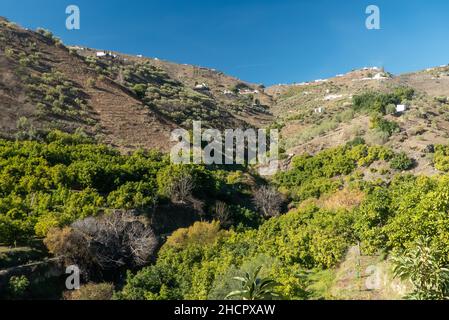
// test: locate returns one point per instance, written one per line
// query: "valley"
(86, 180)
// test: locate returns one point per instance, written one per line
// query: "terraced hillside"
(128, 102)
(321, 114)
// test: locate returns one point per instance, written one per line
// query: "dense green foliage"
(377, 102)
(285, 246)
(390, 219)
(401, 162)
(67, 178)
(313, 176)
(17, 286)
(384, 126)
(441, 158)
(395, 216)
(423, 268)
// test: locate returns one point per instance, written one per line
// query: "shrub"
(108, 243)
(133, 195)
(422, 266)
(91, 82)
(441, 158)
(343, 199)
(390, 109)
(375, 102)
(376, 137)
(18, 286)
(140, 90)
(383, 125)
(9, 52)
(91, 291)
(204, 233)
(401, 162)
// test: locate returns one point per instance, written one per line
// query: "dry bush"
(91, 291)
(269, 201)
(68, 245)
(376, 137)
(222, 213)
(342, 199)
(197, 205)
(180, 189)
(111, 241)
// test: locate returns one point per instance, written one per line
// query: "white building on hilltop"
(201, 86)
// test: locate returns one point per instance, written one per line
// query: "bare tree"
(117, 239)
(180, 189)
(197, 205)
(109, 242)
(222, 213)
(269, 201)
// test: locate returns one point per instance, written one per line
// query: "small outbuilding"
(201, 86)
(400, 108)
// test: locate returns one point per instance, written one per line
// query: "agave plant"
(421, 266)
(254, 288)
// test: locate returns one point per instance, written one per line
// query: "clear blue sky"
(262, 41)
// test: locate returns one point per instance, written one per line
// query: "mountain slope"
(135, 102)
(128, 102)
(318, 115)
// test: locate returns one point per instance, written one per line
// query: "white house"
(379, 76)
(201, 86)
(248, 91)
(331, 97)
(101, 54)
(319, 110)
(401, 108)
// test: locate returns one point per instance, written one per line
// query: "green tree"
(401, 162)
(140, 90)
(422, 266)
(18, 286)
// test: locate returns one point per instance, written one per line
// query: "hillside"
(127, 102)
(358, 211)
(135, 102)
(318, 115)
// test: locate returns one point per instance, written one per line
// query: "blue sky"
(263, 41)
